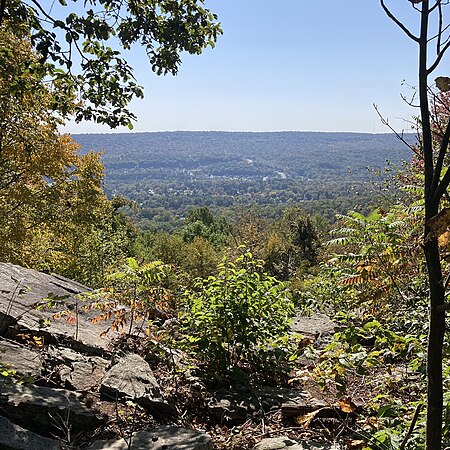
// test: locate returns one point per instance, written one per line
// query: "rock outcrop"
(14, 437)
(160, 438)
(61, 379)
(23, 290)
(132, 377)
(43, 409)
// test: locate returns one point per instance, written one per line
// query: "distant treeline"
(168, 173)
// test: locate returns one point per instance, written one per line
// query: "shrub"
(237, 321)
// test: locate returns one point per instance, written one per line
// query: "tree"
(200, 258)
(293, 243)
(433, 43)
(54, 214)
(200, 222)
(76, 48)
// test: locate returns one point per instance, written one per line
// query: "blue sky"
(285, 65)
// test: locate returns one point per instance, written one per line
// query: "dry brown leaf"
(305, 421)
(438, 224)
(356, 279)
(346, 405)
(355, 444)
(444, 239)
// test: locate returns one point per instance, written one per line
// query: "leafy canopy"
(77, 47)
(54, 214)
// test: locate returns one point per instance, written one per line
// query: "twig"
(398, 135)
(411, 427)
(398, 22)
(282, 430)
(13, 296)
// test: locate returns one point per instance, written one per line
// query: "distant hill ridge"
(286, 150)
(167, 173)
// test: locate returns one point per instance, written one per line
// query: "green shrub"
(237, 321)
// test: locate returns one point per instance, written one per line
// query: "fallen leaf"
(355, 444)
(305, 421)
(347, 405)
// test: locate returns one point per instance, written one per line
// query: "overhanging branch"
(398, 22)
(42, 10)
(397, 135)
(438, 59)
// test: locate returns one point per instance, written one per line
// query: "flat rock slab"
(315, 326)
(43, 409)
(285, 443)
(300, 407)
(76, 371)
(161, 438)
(278, 443)
(234, 406)
(132, 377)
(14, 437)
(26, 362)
(21, 289)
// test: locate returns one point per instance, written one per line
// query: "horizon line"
(236, 131)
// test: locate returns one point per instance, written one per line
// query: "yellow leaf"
(438, 224)
(347, 406)
(444, 239)
(305, 421)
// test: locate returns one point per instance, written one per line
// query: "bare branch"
(398, 22)
(439, 35)
(411, 427)
(398, 135)
(438, 59)
(436, 5)
(410, 102)
(43, 11)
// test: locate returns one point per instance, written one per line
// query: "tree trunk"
(432, 256)
(435, 345)
(434, 189)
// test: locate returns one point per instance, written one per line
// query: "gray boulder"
(13, 437)
(132, 377)
(285, 443)
(23, 289)
(236, 405)
(278, 443)
(26, 362)
(316, 326)
(75, 371)
(45, 410)
(160, 438)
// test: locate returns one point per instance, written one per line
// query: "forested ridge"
(167, 174)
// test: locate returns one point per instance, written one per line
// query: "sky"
(297, 65)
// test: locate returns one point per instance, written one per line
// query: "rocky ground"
(63, 385)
